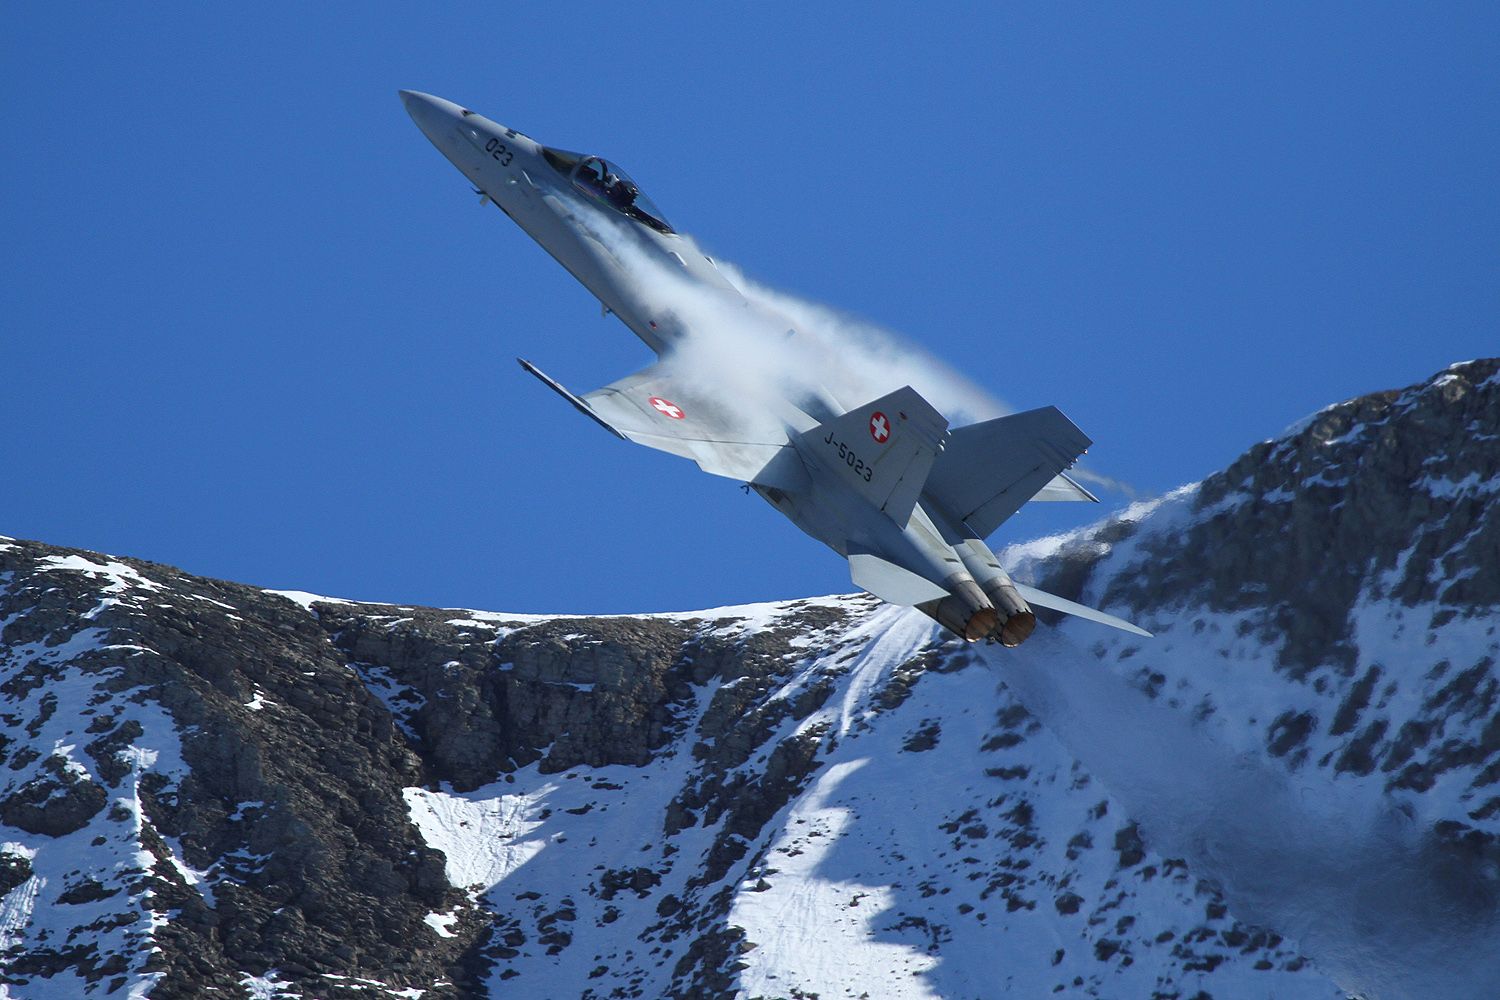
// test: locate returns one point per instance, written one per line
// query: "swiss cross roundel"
(880, 427)
(667, 408)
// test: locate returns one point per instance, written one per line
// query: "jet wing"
(663, 409)
(1064, 488)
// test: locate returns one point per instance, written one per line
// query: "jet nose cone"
(433, 115)
(417, 104)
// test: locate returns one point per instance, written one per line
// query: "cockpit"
(607, 184)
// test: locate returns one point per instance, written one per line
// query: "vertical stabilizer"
(882, 450)
(989, 470)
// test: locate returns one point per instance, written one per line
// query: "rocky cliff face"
(1389, 501)
(209, 787)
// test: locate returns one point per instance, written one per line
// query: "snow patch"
(442, 923)
(267, 987)
(470, 623)
(1470, 485)
(120, 576)
(210, 600)
(199, 880)
(305, 601)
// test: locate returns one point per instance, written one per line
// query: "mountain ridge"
(209, 785)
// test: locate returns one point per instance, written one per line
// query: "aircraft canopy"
(609, 185)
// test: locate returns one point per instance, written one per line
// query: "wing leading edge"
(663, 409)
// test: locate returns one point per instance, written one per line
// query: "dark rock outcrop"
(293, 806)
(299, 728)
(56, 802)
(1387, 494)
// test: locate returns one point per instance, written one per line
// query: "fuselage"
(575, 206)
(589, 215)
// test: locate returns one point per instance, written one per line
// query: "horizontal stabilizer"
(890, 582)
(1064, 488)
(989, 470)
(1043, 599)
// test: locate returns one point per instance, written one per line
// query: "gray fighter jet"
(886, 483)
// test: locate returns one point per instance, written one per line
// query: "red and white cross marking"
(667, 408)
(880, 427)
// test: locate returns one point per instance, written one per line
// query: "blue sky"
(255, 326)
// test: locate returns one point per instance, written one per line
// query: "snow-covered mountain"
(1292, 791)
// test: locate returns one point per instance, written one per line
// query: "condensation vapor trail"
(755, 350)
(882, 357)
(1377, 903)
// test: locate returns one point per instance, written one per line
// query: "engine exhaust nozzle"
(965, 612)
(1013, 615)
(1018, 621)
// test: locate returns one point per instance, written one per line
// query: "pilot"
(621, 193)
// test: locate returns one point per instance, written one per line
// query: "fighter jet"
(886, 483)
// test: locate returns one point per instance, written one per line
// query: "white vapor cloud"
(878, 360)
(763, 346)
(768, 343)
(1374, 901)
